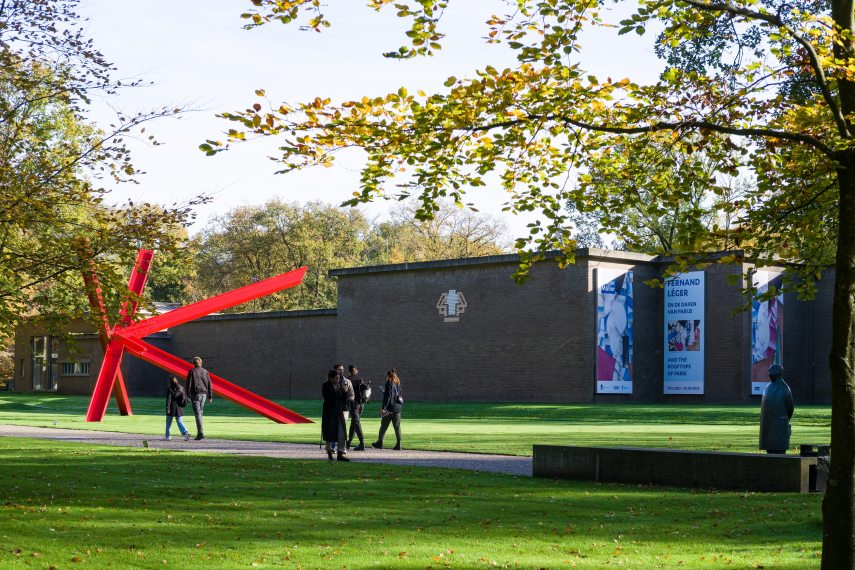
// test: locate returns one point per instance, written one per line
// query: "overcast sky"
(198, 56)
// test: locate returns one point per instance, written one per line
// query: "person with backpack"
(176, 399)
(362, 393)
(390, 412)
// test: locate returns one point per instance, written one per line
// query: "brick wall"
(277, 355)
(141, 379)
(535, 342)
(821, 320)
(726, 341)
(799, 350)
(503, 348)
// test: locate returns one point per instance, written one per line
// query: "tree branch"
(764, 132)
(776, 20)
(814, 198)
(696, 124)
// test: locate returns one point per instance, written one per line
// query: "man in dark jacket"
(776, 409)
(199, 388)
(359, 387)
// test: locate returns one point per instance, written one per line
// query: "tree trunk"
(838, 505)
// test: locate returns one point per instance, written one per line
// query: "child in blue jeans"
(176, 399)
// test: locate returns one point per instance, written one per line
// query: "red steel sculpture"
(128, 336)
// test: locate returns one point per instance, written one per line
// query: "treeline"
(250, 243)
(57, 168)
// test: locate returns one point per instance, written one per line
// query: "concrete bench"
(677, 468)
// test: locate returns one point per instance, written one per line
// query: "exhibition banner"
(684, 334)
(614, 331)
(767, 329)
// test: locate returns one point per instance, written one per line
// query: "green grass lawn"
(487, 428)
(66, 505)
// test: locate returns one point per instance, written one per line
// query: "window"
(44, 372)
(75, 368)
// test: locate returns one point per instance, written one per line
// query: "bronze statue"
(776, 409)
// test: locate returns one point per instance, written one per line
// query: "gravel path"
(511, 465)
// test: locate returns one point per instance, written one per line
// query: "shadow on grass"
(612, 414)
(150, 501)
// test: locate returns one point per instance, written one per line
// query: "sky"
(198, 57)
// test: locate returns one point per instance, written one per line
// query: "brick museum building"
(463, 330)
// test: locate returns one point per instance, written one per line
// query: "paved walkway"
(508, 464)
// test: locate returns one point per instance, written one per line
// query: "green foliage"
(7, 365)
(251, 243)
(586, 227)
(532, 125)
(659, 196)
(255, 242)
(450, 233)
(172, 278)
(51, 164)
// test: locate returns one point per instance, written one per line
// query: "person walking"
(199, 389)
(331, 417)
(360, 387)
(176, 399)
(390, 411)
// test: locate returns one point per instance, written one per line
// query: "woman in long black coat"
(330, 412)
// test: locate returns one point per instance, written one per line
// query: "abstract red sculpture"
(128, 336)
(136, 284)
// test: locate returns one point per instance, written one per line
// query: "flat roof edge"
(436, 264)
(270, 315)
(598, 254)
(587, 252)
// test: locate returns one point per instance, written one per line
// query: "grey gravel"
(508, 464)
